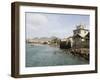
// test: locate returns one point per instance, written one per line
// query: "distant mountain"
(42, 39)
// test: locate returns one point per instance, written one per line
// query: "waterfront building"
(80, 30)
(79, 36)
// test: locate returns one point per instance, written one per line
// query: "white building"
(79, 35)
(80, 30)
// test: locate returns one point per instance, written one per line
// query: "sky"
(49, 24)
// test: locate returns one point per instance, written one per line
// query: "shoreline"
(82, 52)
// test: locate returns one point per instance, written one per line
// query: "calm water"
(45, 55)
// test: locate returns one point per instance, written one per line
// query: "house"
(80, 30)
(80, 35)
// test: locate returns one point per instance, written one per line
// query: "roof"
(81, 29)
(77, 35)
(88, 34)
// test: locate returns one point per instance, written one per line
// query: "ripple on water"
(45, 55)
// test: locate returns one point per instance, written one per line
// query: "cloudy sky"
(48, 25)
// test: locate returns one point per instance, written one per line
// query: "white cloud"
(35, 23)
(36, 19)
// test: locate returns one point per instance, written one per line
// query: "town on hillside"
(78, 43)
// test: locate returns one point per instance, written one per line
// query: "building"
(70, 40)
(79, 36)
(80, 30)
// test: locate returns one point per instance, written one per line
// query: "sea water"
(45, 55)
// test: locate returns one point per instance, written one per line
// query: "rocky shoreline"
(83, 52)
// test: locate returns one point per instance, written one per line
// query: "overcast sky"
(48, 25)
